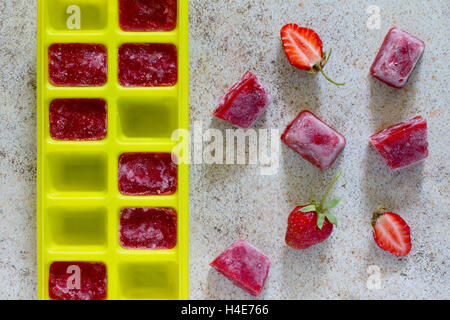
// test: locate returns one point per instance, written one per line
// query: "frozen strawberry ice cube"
(78, 119)
(314, 140)
(77, 281)
(148, 228)
(77, 64)
(402, 144)
(244, 265)
(148, 65)
(244, 102)
(397, 57)
(148, 15)
(147, 174)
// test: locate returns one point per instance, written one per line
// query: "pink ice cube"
(314, 140)
(403, 144)
(397, 57)
(244, 265)
(244, 102)
(77, 281)
(145, 173)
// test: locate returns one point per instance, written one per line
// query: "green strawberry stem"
(321, 65)
(320, 208)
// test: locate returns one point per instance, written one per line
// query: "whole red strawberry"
(304, 50)
(312, 223)
(391, 233)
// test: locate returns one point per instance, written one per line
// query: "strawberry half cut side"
(391, 233)
(304, 49)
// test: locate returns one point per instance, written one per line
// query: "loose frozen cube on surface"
(77, 64)
(244, 265)
(403, 144)
(148, 15)
(77, 281)
(147, 174)
(148, 228)
(244, 102)
(397, 58)
(148, 65)
(314, 140)
(78, 119)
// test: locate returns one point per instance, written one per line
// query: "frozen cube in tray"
(245, 266)
(244, 102)
(148, 65)
(403, 144)
(147, 174)
(148, 228)
(314, 140)
(148, 15)
(78, 119)
(397, 58)
(77, 64)
(77, 281)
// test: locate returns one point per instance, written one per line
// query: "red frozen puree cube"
(78, 119)
(77, 281)
(148, 65)
(148, 228)
(397, 58)
(403, 144)
(314, 140)
(244, 102)
(244, 265)
(148, 15)
(77, 64)
(147, 174)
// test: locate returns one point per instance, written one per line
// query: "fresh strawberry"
(391, 233)
(304, 50)
(312, 223)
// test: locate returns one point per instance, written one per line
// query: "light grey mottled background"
(231, 202)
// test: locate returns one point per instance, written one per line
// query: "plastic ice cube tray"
(79, 203)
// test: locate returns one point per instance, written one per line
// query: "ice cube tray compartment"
(79, 203)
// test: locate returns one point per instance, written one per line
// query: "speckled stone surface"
(231, 202)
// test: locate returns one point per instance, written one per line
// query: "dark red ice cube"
(77, 64)
(77, 281)
(148, 15)
(78, 119)
(314, 140)
(148, 228)
(397, 58)
(147, 174)
(244, 265)
(244, 102)
(148, 65)
(403, 144)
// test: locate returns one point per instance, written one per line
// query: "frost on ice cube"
(148, 65)
(147, 174)
(148, 15)
(78, 119)
(244, 102)
(244, 265)
(314, 140)
(148, 228)
(403, 144)
(397, 58)
(77, 64)
(77, 281)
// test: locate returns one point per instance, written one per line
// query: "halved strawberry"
(303, 49)
(391, 233)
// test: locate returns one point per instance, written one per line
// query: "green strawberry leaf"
(320, 220)
(331, 218)
(308, 208)
(332, 203)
